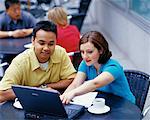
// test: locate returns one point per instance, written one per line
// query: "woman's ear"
(100, 52)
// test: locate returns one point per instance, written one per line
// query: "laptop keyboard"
(71, 111)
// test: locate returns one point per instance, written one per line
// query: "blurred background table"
(13, 45)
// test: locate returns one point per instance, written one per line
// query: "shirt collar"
(34, 61)
(53, 58)
(8, 18)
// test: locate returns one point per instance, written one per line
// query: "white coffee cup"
(99, 103)
(17, 104)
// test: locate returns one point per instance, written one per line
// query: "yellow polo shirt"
(25, 69)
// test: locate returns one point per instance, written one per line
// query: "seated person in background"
(45, 64)
(68, 35)
(101, 72)
(14, 22)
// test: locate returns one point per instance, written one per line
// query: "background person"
(101, 72)
(45, 64)
(68, 35)
(14, 22)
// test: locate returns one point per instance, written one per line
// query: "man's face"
(44, 45)
(14, 11)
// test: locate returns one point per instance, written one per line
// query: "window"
(137, 9)
(141, 7)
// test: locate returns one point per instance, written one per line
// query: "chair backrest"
(139, 85)
(76, 58)
(44, 1)
(77, 19)
(84, 5)
(1, 69)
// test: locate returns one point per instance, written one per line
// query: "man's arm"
(16, 33)
(60, 85)
(6, 95)
(4, 34)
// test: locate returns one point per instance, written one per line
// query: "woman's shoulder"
(112, 62)
(73, 27)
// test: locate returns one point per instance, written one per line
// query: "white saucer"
(94, 110)
(17, 105)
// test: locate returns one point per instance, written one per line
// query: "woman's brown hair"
(98, 40)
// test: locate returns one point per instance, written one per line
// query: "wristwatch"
(10, 33)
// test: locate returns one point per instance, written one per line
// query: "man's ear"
(32, 40)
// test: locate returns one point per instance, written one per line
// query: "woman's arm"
(100, 81)
(79, 79)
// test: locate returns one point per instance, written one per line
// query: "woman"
(100, 72)
(68, 36)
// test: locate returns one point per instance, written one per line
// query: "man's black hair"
(46, 26)
(8, 3)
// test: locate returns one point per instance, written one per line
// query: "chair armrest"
(3, 64)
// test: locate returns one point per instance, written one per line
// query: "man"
(14, 22)
(44, 65)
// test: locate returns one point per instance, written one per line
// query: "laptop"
(41, 103)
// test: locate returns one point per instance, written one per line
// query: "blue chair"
(78, 18)
(139, 85)
(76, 58)
(83, 6)
(1, 66)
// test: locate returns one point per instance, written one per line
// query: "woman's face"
(90, 53)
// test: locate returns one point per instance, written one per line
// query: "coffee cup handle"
(16, 99)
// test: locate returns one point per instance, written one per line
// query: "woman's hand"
(67, 97)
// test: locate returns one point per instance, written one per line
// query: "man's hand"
(6, 95)
(21, 33)
(18, 33)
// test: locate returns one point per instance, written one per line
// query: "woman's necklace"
(97, 67)
(98, 72)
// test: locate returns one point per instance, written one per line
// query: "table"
(121, 109)
(13, 46)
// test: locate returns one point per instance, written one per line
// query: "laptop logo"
(35, 94)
